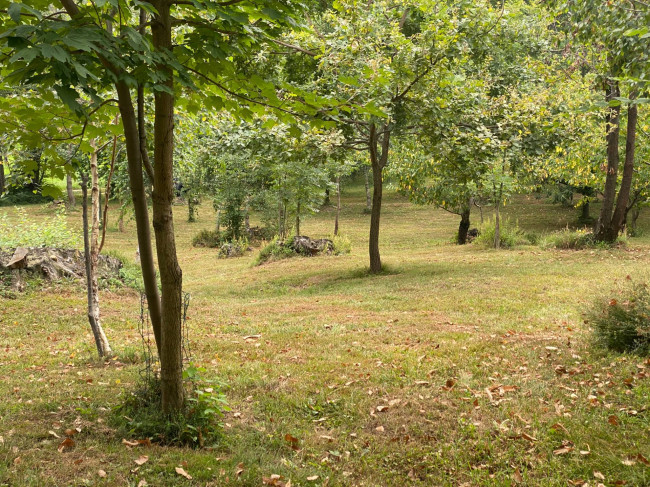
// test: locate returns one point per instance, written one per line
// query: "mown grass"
(432, 338)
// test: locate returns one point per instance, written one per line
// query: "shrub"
(511, 235)
(342, 245)
(130, 274)
(233, 248)
(23, 196)
(623, 325)
(198, 425)
(207, 238)
(569, 239)
(49, 232)
(276, 249)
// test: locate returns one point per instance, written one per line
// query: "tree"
(610, 33)
(102, 53)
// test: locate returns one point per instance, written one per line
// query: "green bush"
(49, 232)
(198, 425)
(130, 274)
(511, 235)
(622, 324)
(234, 248)
(342, 245)
(23, 196)
(276, 249)
(207, 238)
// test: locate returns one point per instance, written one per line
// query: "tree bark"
(103, 348)
(463, 228)
(584, 212)
(368, 197)
(298, 219)
(497, 226)
(603, 231)
(171, 361)
(3, 165)
(618, 219)
(338, 205)
(378, 162)
(68, 184)
(139, 199)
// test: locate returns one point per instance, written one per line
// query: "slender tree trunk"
(247, 220)
(463, 228)
(103, 348)
(191, 209)
(3, 165)
(378, 162)
(139, 198)
(218, 224)
(497, 226)
(68, 185)
(327, 197)
(618, 219)
(171, 277)
(298, 219)
(338, 205)
(368, 197)
(603, 230)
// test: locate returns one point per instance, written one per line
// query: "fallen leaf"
(599, 475)
(143, 483)
(67, 443)
(642, 459)
(101, 473)
(312, 478)
(380, 429)
(292, 440)
(381, 409)
(517, 476)
(183, 473)
(129, 443)
(240, 469)
(613, 420)
(629, 462)
(53, 434)
(142, 460)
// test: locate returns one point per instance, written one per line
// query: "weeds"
(48, 232)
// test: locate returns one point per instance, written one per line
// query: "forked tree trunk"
(171, 276)
(378, 162)
(68, 184)
(604, 230)
(463, 228)
(623, 198)
(338, 205)
(103, 347)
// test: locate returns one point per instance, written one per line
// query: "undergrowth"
(622, 323)
(198, 425)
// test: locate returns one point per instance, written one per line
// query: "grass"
(456, 366)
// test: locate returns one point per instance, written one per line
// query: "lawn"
(457, 366)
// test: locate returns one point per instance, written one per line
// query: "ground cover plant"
(455, 366)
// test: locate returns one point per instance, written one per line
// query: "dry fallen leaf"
(380, 429)
(292, 440)
(183, 473)
(613, 420)
(312, 478)
(143, 483)
(101, 473)
(67, 443)
(599, 475)
(517, 476)
(240, 469)
(129, 443)
(142, 460)
(381, 409)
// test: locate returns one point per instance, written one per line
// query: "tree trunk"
(584, 213)
(191, 209)
(604, 231)
(218, 224)
(497, 227)
(368, 198)
(68, 184)
(618, 219)
(378, 162)
(327, 197)
(139, 198)
(338, 205)
(463, 228)
(171, 277)
(103, 348)
(247, 220)
(298, 218)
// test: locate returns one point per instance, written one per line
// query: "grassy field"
(458, 366)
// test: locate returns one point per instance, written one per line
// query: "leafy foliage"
(511, 234)
(622, 324)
